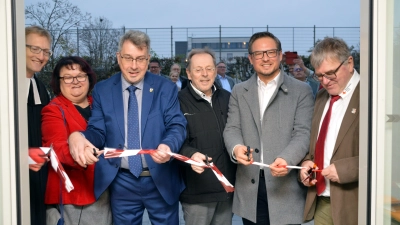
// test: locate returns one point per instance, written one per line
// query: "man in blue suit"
(161, 126)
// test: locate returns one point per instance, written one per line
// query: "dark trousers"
(262, 204)
(129, 196)
(37, 188)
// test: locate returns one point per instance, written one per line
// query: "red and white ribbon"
(289, 167)
(38, 155)
(113, 153)
(55, 163)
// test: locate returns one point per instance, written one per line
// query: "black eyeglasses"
(139, 60)
(272, 53)
(70, 79)
(37, 50)
(330, 75)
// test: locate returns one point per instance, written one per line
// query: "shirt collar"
(351, 85)
(274, 81)
(200, 93)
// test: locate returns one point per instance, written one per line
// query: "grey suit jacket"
(284, 132)
(230, 80)
(314, 85)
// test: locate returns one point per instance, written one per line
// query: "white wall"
(12, 12)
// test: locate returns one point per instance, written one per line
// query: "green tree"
(240, 68)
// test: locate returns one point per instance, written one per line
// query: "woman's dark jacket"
(205, 127)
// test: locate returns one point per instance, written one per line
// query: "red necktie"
(320, 145)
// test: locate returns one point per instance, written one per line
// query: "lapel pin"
(354, 110)
(151, 89)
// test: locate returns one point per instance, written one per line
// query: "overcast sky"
(233, 13)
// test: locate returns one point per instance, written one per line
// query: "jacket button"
(253, 181)
(256, 150)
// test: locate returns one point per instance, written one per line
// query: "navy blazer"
(161, 122)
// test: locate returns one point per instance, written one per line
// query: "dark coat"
(37, 180)
(184, 81)
(205, 128)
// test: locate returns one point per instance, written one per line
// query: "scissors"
(312, 173)
(248, 153)
(207, 162)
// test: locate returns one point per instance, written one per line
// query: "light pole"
(101, 43)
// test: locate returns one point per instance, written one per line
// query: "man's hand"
(198, 157)
(161, 156)
(77, 144)
(36, 167)
(278, 168)
(299, 61)
(242, 155)
(331, 173)
(92, 155)
(305, 176)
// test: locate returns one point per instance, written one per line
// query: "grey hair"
(332, 48)
(138, 38)
(220, 62)
(174, 65)
(196, 51)
(39, 31)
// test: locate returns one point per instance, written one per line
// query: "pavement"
(236, 220)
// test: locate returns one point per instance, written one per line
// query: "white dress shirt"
(265, 92)
(225, 83)
(179, 84)
(338, 110)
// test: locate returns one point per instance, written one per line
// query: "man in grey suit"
(223, 80)
(271, 113)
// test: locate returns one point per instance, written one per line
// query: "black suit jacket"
(37, 180)
(184, 82)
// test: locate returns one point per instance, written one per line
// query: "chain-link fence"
(98, 46)
(164, 40)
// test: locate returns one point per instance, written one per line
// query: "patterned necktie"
(320, 145)
(135, 162)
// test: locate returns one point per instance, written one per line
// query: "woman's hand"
(92, 155)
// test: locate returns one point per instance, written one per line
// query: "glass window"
(388, 142)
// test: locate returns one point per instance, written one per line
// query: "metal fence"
(300, 39)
